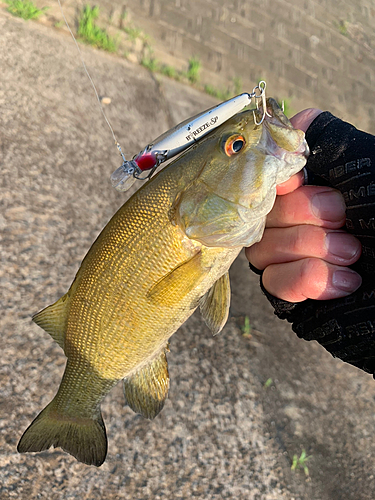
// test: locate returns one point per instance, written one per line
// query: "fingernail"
(342, 245)
(346, 280)
(329, 206)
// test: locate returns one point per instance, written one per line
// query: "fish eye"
(234, 144)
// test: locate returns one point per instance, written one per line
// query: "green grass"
(300, 462)
(124, 16)
(285, 103)
(223, 95)
(343, 28)
(25, 9)
(193, 70)
(246, 328)
(268, 383)
(192, 74)
(133, 33)
(92, 34)
(149, 62)
(170, 72)
(237, 84)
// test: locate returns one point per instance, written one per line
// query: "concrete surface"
(313, 53)
(222, 433)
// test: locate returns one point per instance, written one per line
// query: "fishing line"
(92, 83)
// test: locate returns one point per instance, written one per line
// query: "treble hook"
(262, 95)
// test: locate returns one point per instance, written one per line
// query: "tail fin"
(84, 438)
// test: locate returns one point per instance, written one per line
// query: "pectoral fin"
(53, 319)
(174, 286)
(214, 305)
(147, 390)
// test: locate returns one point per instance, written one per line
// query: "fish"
(166, 252)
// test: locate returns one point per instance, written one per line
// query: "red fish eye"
(234, 144)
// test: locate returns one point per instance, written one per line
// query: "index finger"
(315, 205)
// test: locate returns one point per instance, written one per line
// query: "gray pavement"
(222, 433)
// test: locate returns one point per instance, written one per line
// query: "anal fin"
(214, 305)
(53, 319)
(147, 390)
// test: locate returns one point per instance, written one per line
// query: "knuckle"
(307, 240)
(313, 277)
(297, 241)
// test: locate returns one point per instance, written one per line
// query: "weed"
(246, 328)
(209, 89)
(268, 382)
(133, 33)
(123, 17)
(237, 83)
(193, 69)
(343, 28)
(92, 34)
(169, 71)
(25, 9)
(286, 107)
(223, 95)
(150, 63)
(301, 462)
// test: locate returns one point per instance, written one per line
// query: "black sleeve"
(344, 158)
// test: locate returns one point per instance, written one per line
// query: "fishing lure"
(177, 139)
(182, 136)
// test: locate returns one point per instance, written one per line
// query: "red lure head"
(145, 161)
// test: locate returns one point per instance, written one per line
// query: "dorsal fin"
(147, 390)
(53, 319)
(214, 304)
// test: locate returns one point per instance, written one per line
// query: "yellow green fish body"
(163, 254)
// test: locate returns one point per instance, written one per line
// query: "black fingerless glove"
(344, 158)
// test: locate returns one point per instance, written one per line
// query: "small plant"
(92, 34)
(268, 383)
(133, 33)
(237, 83)
(343, 28)
(301, 462)
(150, 63)
(193, 69)
(123, 16)
(246, 328)
(169, 71)
(223, 95)
(286, 107)
(25, 9)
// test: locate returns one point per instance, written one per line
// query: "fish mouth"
(279, 137)
(273, 111)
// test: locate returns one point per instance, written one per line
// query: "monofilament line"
(92, 83)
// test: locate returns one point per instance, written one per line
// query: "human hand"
(344, 158)
(304, 252)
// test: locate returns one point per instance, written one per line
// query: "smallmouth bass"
(164, 253)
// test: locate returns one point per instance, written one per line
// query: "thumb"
(303, 119)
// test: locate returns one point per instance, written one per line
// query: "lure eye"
(234, 144)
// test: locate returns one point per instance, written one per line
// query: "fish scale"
(143, 276)
(130, 296)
